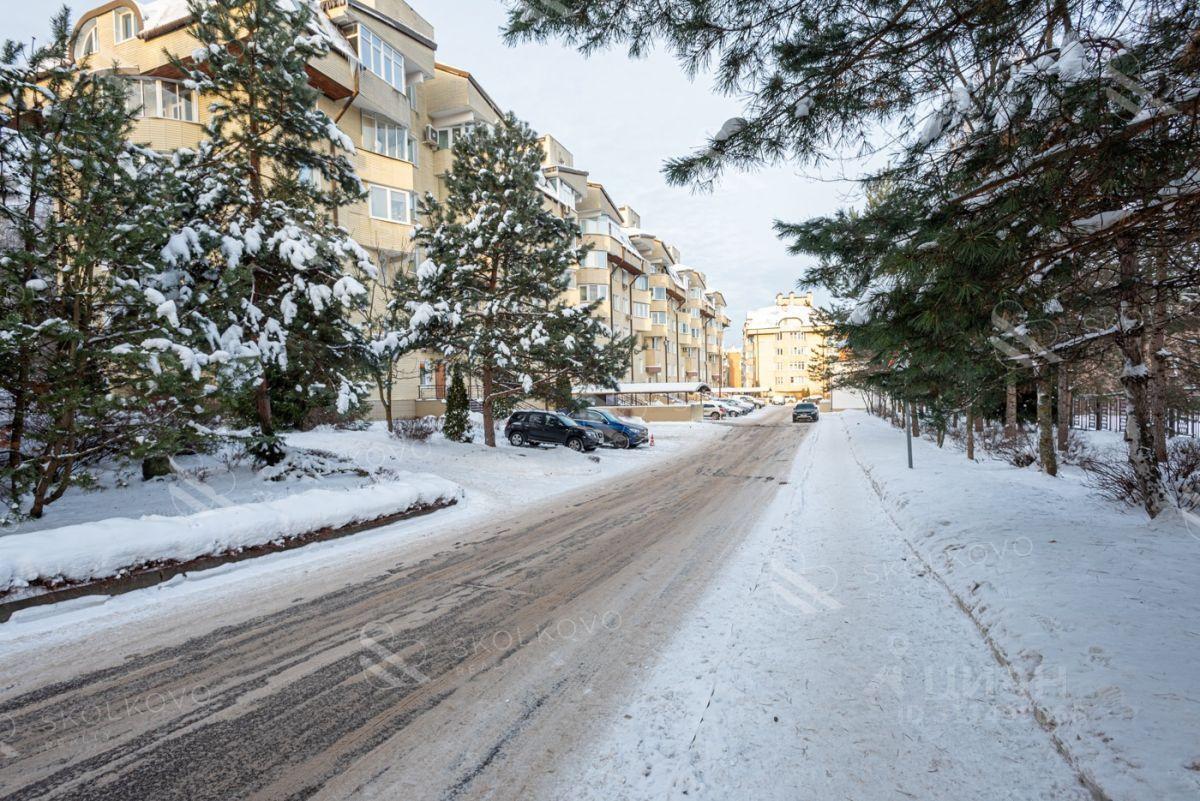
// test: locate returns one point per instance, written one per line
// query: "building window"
(125, 25)
(660, 293)
(427, 374)
(387, 138)
(642, 283)
(393, 205)
(641, 310)
(591, 292)
(88, 42)
(381, 58)
(658, 318)
(446, 137)
(596, 259)
(157, 98)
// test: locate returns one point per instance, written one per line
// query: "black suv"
(805, 411)
(549, 428)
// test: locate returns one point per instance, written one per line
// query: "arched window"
(88, 41)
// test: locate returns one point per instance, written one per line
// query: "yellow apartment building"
(780, 343)
(686, 336)
(382, 86)
(733, 369)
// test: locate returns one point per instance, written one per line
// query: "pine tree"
(89, 349)
(279, 276)
(1050, 155)
(385, 318)
(490, 292)
(457, 427)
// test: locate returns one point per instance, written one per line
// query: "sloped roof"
(158, 14)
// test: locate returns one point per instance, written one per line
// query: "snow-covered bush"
(1115, 479)
(419, 429)
(1020, 450)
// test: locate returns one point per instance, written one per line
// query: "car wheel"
(714, 416)
(517, 439)
(575, 444)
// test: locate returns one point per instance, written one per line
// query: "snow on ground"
(1095, 604)
(829, 661)
(105, 548)
(330, 459)
(504, 476)
(333, 477)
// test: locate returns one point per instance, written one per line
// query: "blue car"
(617, 433)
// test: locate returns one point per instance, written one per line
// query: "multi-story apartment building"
(686, 335)
(383, 87)
(780, 343)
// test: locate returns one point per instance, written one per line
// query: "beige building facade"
(781, 345)
(382, 85)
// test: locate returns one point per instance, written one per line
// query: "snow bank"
(1095, 607)
(111, 547)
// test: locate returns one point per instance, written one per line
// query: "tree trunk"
(489, 428)
(1010, 408)
(1135, 378)
(971, 421)
(1064, 407)
(384, 385)
(916, 424)
(1045, 419)
(978, 421)
(1099, 415)
(262, 405)
(1158, 368)
(16, 431)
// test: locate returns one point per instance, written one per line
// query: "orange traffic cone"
(651, 439)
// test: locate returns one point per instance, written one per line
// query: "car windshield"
(566, 420)
(606, 415)
(806, 406)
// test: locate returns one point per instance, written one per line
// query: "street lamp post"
(908, 412)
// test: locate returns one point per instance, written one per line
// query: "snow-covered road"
(746, 619)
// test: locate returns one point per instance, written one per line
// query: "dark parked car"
(617, 432)
(549, 428)
(805, 411)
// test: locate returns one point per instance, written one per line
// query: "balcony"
(603, 235)
(376, 169)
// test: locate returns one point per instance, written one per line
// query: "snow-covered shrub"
(1115, 480)
(1020, 450)
(1078, 451)
(419, 429)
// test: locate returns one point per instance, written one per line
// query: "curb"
(156, 573)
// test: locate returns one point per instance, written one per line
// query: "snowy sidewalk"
(824, 664)
(1096, 607)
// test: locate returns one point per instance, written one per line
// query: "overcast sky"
(621, 118)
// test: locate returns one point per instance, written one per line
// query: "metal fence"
(1107, 413)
